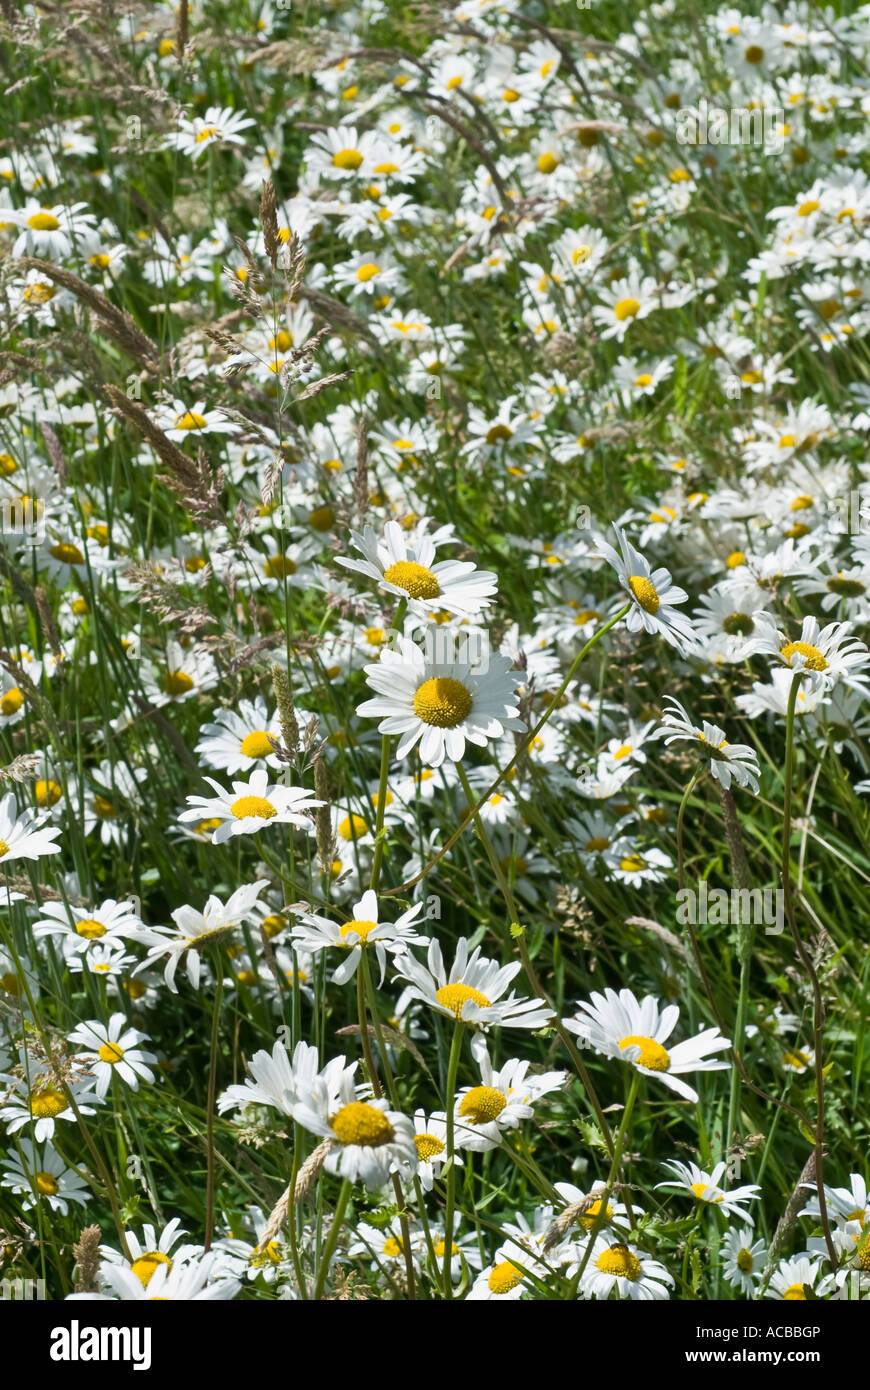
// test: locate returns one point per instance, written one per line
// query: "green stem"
(332, 1238)
(601, 1218)
(452, 1070)
(209, 1107)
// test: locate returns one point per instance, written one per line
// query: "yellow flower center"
(442, 701)
(427, 1146)
(208, 132)
(190, 421)
(347, 159)
(146, 1264)
(47, 793)
(453, 997)
(321, 518)
(498, 434)
(205, 827)
(754, 54)
(12, 701)
(482, 1104)
(359, 927)
(644, 380)
(367, 272)
(110, 1052)
(352, 827)
(392, 1247)
(104, 808)
(359, 1123)
(598, 842)
(68, 553)
(177, 683)
(504, 1277)
(644, 592)
(416, 579)
(90, 928)
(547, 162)
(795, 1059)
(744, 1261)
(256, 744)
(43, 222)
(814, 661)
(46, 1184)
(795, 1294)
(48, 1103)
(652, 1055)
(626, 309)
(633, 864)
(588, 1218)
(619, 1261)
(440, 1247)
(701, 1189)
(9, 983)
(253, 806)
(278, 566)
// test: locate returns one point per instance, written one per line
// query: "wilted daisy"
(40, 1174)
(251, 807)
(442, 705)
(112, 1049)
(652, 593)
(472, 992)
(22, 836)
(618, 1025)
(744, 1259)
(370, 1140)
(728, 761)
(634, 1275)
(316, 933)
(194, 930)
(408, 569)
(704, 1187)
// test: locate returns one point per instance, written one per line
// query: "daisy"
(218, 125)
(441, 704)
(652, 594)
(615, 1213)
(22, 836)
(179, 421)
(704, 1187)
(503, 1279)
(79, 926)
(195, 1280)
(240, 740)
(430, 1141)
(51, 232)
(624, 1268)
(113, 1049)
(472, 992)
(342, 153)
(617, 1025)
(850, 1203)
(42, 1176)
(623, 303)
(504, 1097)
(251, 807)
(370, 1141)
(407, 568)
(279, 1080)
(826, 655)
(635, 867)
(315, 933)
(370, 272)
(45, 1103)
(194, 929)
(744, 1259)
(728, 761)
(791, 1279)
(185, 674)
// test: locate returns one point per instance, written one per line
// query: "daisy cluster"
(433, 534)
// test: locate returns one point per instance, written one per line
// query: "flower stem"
(209, 1105)
(452, 1070)
(332, 1238)
(601, 1218)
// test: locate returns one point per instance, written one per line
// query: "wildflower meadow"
(434, 670)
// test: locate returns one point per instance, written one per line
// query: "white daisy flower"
(744, 1259)
(239, 740)
(441, 704)
(113, 1049)
(625, 1268)
(45, 1103)
(204, 1277)
(371, 1140)
(618, 1025)
(652, 594)
(502, 1280)
(194, 929)
(472, 992)
(41, 1175)
(218, 125)
(826, 655)
(791, 1279)
(22, 836)
(51, 232)
(251, 807)
(407, 568)
(502, 1100)
(79, 926)
(315, 933)
(179, 421)
(728, 761)
(279, 1080)
(704, 1187)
